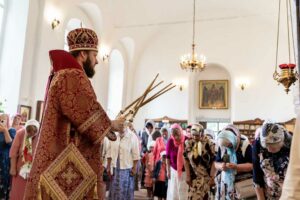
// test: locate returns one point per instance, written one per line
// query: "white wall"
(244, 46)
(12, 52)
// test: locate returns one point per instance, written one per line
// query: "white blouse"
(126, 148)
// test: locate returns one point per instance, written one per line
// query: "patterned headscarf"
(197, 129)
(272, 133)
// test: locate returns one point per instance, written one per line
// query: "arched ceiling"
(136, 13)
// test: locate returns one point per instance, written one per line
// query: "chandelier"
(193, 62)
(287, 76)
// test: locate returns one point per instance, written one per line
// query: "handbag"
(244, 189)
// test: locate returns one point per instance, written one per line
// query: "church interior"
(240, 45)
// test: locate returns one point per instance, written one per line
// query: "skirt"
(160, 189)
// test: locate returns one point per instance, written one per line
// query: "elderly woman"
(200, 155)
(21, 155)
(123, 155)
(177, 187)
(233, 161)
(6, 138)
(271, 152)
(160, 144)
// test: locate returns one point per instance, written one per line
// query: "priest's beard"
(88, 68)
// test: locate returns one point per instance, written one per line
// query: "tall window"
(72, 24)
(115, 88)
(1, 15)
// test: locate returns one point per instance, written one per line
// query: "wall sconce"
(105, 58)
(242, 83)
(55, 23)
(181, 83)
(104, 52)
(180, 87)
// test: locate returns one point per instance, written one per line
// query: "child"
(149, 158)
(160, 177)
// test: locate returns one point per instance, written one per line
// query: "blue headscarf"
(228, 177)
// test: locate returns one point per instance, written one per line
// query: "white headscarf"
(33, 122)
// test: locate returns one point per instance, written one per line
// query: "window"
(115, 88)
(1, 14)
(214, 125)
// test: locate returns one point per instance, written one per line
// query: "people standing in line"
(123, 156)
(7, 136)
(233, 161)
(271, 157)
(21, 156)
(149, 163)
(160, 144)
(16, 122)
(177, 187)
(160, 178)
(146, 138)
(199, 159)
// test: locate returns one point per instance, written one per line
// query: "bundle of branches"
(130, 111)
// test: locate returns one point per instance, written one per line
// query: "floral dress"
(269, 169)
(200, 156)
(5, 178)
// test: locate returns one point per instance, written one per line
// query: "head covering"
(163, 153)
(229, 175)
(197, 129)
(82, 39)
(271, 133)
(210, 133)
(27, 151)
(232, 128)
(150, 122)
(32, 122)
(180, 145)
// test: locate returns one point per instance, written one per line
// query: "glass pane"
(1, 2)
(1, 18)
(212, 126)
(222, 125)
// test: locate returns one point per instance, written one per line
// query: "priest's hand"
(118, 124)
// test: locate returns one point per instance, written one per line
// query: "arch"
(116, 83)
(94, 13)
(73, 23)
(129, 45)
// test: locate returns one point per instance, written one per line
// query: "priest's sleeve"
(79, 104)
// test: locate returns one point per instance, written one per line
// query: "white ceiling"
(139, 13)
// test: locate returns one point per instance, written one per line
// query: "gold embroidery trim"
(85, 125)
(104, 134)
(48, 183)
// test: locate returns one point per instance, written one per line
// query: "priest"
(67, 161)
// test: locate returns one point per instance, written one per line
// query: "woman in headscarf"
(177, 187)
(233, 161)
(160, 144)
(6, 137)
(123, 155)
(200, 155)
(21, 156)
(271, 153)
